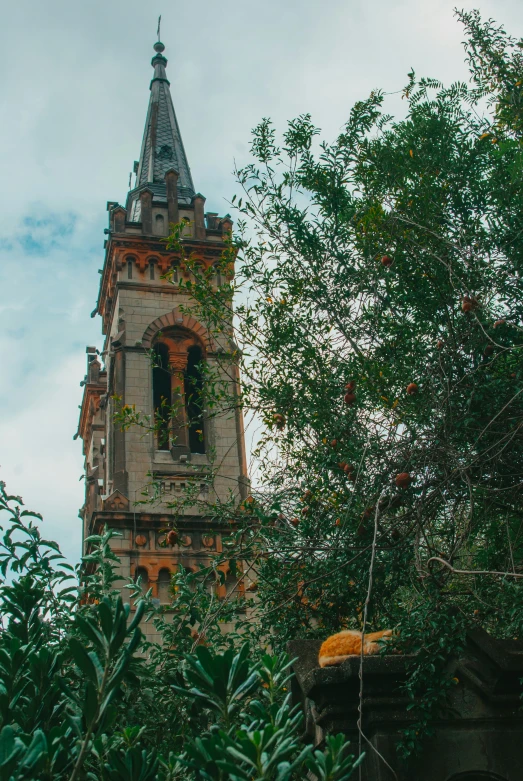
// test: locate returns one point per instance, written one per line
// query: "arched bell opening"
(162, 395)
(178, 393)
(194, 399)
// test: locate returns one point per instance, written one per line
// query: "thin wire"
(361, 736)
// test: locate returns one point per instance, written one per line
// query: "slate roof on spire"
(162, 145)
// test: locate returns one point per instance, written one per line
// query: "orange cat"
(337, 648)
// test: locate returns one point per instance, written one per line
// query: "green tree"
(78, 684)
(379, 325)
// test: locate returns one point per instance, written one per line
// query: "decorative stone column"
(199, 218)
(171, 185)
(119, 216)
(146, 209)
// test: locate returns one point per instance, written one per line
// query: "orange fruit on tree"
(403, 480)
(469, 303)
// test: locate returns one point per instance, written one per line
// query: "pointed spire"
(162, 146)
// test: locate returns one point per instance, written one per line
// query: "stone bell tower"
(153, 355)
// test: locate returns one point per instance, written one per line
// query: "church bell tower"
(153, 357)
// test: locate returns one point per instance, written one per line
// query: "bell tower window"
(178, 394)
(162, 395)
(194, 400)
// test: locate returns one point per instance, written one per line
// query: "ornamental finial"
(158, 46)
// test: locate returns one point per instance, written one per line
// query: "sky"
(74, 88)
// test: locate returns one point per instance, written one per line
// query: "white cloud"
(38, 457)
(74, 106)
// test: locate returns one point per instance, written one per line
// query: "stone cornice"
(126, 519)
(144, 249)
(144, 287)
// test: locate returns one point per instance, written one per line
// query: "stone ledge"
(479, 731)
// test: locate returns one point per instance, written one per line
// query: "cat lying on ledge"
(337, 648)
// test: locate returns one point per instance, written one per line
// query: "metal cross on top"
(159, 23)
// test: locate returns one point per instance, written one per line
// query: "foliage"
(72, 665)
(378, 328)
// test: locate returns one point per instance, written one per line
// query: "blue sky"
(73, 97)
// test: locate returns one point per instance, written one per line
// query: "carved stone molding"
(176, 318)
(178, 361)
(116, 502)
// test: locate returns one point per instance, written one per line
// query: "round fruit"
(489, 349)
(468, 304)
(499, 322)
(403, 480)
(334, 443)
(348, 468)
(172, 537)
(279, 420)
(295, 521)
(386, 261)
(439, 344)
(368, 512)
(342, 464)
(395, 534)
(412, 388)
(349, 398)
(350, 386)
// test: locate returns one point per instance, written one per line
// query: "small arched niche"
(142, 575)
(151, 264)
(188, 570)
(176, 272)
(164, 586)
(130, 260)
(159, 225)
